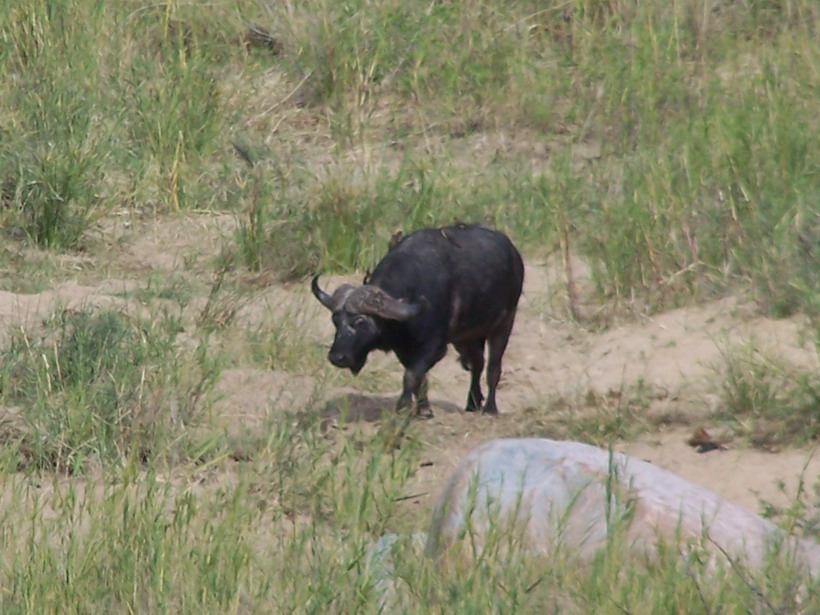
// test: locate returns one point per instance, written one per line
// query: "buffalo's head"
(359, 314)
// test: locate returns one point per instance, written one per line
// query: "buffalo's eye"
(357, 323)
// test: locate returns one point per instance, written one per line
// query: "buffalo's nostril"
(337, 358)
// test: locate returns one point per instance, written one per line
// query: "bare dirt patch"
(552, 364)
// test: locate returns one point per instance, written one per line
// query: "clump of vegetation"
(95, 96)
(768, 400)
(670, 146)
(292, 529)
(653, 179)
(158, 285)
(593, 417)
(326, 223)
(100, 388)
(802, 515)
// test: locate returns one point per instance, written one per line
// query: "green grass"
(128, 501)
(768, 400)
(705, 176)
(172, 288)
(100, 388)
(671, 147)
(596, 418)
(699, 173)
(290, 529)
(32, 271)
(801, 515)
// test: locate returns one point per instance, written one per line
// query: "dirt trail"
(677, 353)
(549, 359)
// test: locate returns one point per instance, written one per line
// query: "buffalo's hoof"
(425, 413)
(474, 405)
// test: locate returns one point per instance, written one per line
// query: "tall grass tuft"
(95, 388)
(107, 106)
(768, 400)
(289, 526)
(53, 158)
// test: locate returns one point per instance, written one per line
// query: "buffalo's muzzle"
(339, 359)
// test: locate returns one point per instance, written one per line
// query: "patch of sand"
(677, 352)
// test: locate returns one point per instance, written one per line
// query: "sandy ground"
(550, 362)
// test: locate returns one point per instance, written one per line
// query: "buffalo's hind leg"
(497, 343)
(471, 355)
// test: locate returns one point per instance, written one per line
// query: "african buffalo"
(458, 285)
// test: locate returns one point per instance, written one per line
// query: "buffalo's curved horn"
(374, 301)
(325, 299)
(330, 302)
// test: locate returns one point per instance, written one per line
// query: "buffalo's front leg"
(415, 382)
(415, 386)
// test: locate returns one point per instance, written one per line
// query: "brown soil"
(551, 365)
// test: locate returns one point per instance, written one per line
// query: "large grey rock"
(571, 493)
